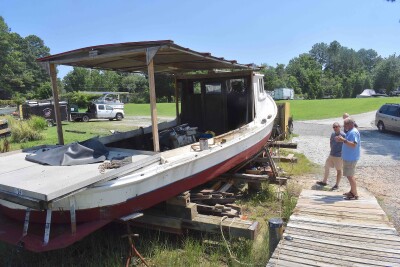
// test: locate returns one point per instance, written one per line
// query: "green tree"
(308, 73)
(387, 74)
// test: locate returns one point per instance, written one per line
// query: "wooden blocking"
(232, 227)
(161, 223)
(288, 158)
(4, 129)
(283, 144)
(180, 200)
(186, 212)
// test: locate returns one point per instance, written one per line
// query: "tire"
(381, 127)
(85, 118)
(119, 117)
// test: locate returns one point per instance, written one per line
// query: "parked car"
(395, 92)
(388, 118)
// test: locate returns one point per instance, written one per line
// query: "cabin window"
(101, 107)
(237, 86)
(109, 108)
(196, 88)
(213, 88)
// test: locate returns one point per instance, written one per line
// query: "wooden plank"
(233, 227)
(357, 245)
(342, 214)
(343, 238)
(283, 144)
(153, 105)
(57, 112)
(361, 253)
(288, 158)
(285, 263)
(343, 230)
(331, 258)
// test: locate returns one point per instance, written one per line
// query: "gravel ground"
(378, 169)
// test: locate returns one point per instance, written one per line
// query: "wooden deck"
(326, 230)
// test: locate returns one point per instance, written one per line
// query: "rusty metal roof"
(131, 57)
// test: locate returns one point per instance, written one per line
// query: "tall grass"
(27, 130)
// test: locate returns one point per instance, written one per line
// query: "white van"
(388, 118)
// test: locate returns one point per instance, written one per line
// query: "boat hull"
(143, 201)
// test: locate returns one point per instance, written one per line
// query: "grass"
(332, 108)
(163, 109)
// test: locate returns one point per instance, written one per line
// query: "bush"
(26, 130)
(37, 123)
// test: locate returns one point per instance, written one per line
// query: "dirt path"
(378, 170)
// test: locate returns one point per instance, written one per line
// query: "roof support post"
(150, 53)
(178, 120)
(53, 78)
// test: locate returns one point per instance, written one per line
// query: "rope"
(113, 164)
(226, 242)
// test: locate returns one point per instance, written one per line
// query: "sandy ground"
(378, 170)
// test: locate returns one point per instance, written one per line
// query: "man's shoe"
(335, 187)
(321, 183)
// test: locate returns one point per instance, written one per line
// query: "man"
(350, 155)
(334, 159)
(345, 116)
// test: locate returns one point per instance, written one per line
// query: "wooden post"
(153, 106)
(178, 121)
(53, 78)
(275, 233)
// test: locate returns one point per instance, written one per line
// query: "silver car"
(387, 118)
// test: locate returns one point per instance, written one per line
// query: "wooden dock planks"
(326, 230)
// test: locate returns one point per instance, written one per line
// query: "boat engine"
(178, 136)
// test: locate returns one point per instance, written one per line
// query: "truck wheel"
(119, 117)
(85, 118)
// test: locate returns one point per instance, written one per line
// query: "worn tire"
(85, 118)
(119, 117)
(381, 126)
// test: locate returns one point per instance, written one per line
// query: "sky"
(261, 32)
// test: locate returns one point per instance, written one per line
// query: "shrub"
(37, 123)
(23, 130)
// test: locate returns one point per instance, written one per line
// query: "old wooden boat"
(45, 207)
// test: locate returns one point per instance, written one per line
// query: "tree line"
(326, 71)
(335, 71)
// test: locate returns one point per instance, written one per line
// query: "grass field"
(331, 108)
(163, 109)
(300, 109)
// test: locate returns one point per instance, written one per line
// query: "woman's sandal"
(351, 196)
(347, 194)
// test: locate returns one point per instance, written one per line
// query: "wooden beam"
(177, 101)
(153, 104)
(57, 112)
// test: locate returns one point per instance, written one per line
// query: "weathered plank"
(327, 230)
